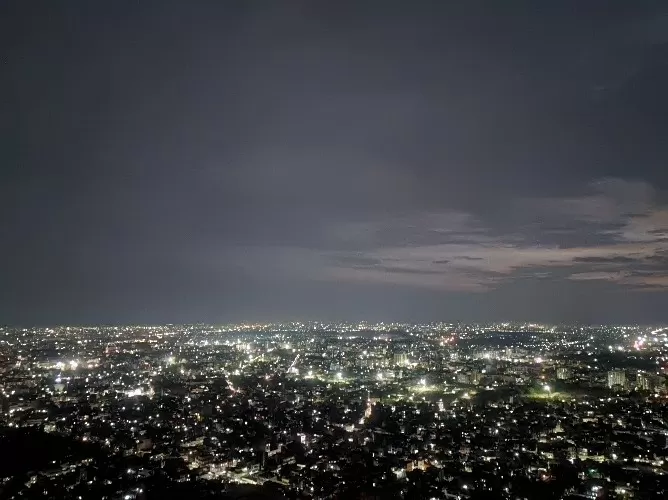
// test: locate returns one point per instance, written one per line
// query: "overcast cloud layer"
(221, 161)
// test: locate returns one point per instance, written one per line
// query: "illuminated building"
(616, 378)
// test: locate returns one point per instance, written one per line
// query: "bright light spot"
(339, 375)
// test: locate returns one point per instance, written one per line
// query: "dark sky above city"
(173, 161)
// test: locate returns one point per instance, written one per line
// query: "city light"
(405, 394)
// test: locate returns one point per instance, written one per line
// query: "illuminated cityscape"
(314, 410)
(333, 250)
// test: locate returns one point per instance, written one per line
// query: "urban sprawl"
(327, 411)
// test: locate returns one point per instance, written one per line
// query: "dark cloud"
(224, 161)
(659, 259)
(354, 261)
(604, 260)
(406, 270)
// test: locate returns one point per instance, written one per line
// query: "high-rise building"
(644, 382)
(400, 359)
(563, 373)
(616, 378)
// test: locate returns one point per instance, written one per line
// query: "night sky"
(181, 161)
